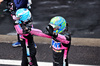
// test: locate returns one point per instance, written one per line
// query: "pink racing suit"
(60, 45)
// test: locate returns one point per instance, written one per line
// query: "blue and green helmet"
(58, 23)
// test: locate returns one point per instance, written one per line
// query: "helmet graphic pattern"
(60, 22)
(24, 15)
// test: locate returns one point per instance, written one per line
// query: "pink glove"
(11, 6)
(14, 17)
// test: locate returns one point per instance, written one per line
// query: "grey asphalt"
(77, 54)
(75, 41)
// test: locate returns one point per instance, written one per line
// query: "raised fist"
(49, 28)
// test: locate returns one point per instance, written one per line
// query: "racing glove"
(50, 30)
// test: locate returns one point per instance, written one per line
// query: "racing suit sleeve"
(38, 32)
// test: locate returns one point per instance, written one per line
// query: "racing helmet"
(24, 14)
(58, 23)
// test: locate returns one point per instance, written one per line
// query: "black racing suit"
(58, 55)
(32, 50)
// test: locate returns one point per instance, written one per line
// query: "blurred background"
(82, 16)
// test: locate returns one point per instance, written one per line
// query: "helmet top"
(24, 14)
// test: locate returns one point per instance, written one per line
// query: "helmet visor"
(55, 27)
